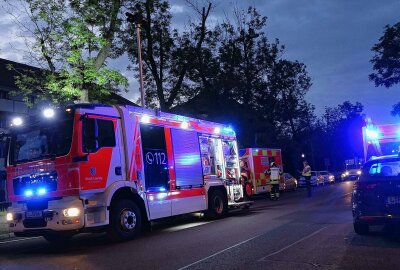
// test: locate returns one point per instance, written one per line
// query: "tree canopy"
(386, 61)
(228, 71)
(71, 41)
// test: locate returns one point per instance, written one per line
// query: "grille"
(36, 205)
(35, 223)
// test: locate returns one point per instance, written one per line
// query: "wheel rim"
(127, 220)
(218, 205)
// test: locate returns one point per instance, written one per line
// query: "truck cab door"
(101, 141)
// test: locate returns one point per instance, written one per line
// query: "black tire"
(60, 238)
(217, 205)
(361, 229)
(125, 221)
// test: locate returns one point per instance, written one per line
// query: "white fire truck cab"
(116, 168)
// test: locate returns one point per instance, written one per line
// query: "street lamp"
(137, 19)
(303, 156)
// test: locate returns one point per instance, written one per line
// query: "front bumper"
(51, 219)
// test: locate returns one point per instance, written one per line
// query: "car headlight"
(331, 177)
(71, 212)
(9, 217)
(346, 173)
(359, 172)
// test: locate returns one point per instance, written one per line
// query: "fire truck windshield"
(42, 139)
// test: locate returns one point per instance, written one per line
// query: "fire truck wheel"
(58, 238)
(217, 205)
(125, 221)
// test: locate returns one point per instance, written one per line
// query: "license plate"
(392, 200)
(34, 214)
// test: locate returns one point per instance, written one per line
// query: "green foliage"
(386, 61)
(339, 136)
(71, 42)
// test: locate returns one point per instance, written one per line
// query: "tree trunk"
(84, 96)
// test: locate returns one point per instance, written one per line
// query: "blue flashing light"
(28, 193)
(162, 189)
(41, 191)
(228, 130)
(181, 118)
(372, 134)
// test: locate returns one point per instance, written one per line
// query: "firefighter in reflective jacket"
(274, 176)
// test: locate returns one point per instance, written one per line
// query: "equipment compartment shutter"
(186, 150)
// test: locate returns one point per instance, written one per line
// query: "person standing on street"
(274, 176)
(306, 173)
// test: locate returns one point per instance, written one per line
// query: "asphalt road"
(293, 233)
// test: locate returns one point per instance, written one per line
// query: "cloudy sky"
(332, 37)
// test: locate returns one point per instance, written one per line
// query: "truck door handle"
(118, 170)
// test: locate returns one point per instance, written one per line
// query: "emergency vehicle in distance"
(380, 140)
(94, 167)
(254, 163)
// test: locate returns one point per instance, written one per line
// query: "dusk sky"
(333, 38)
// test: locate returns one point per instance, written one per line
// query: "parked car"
(376, 195)
(351, 174)
(326, 177)
(314, 180)
(290, 182)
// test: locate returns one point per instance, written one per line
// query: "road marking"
(292, 244)
(18, 240)
(219, 252)
(186, 226)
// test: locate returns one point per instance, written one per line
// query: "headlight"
(9, 217)
(359, 172)
(331, 177)
(346, 173)
(71, 212)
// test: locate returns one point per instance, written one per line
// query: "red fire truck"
(379, 140)
(254, 162)
(116, 168)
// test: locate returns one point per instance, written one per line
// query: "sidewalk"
(4, 231)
